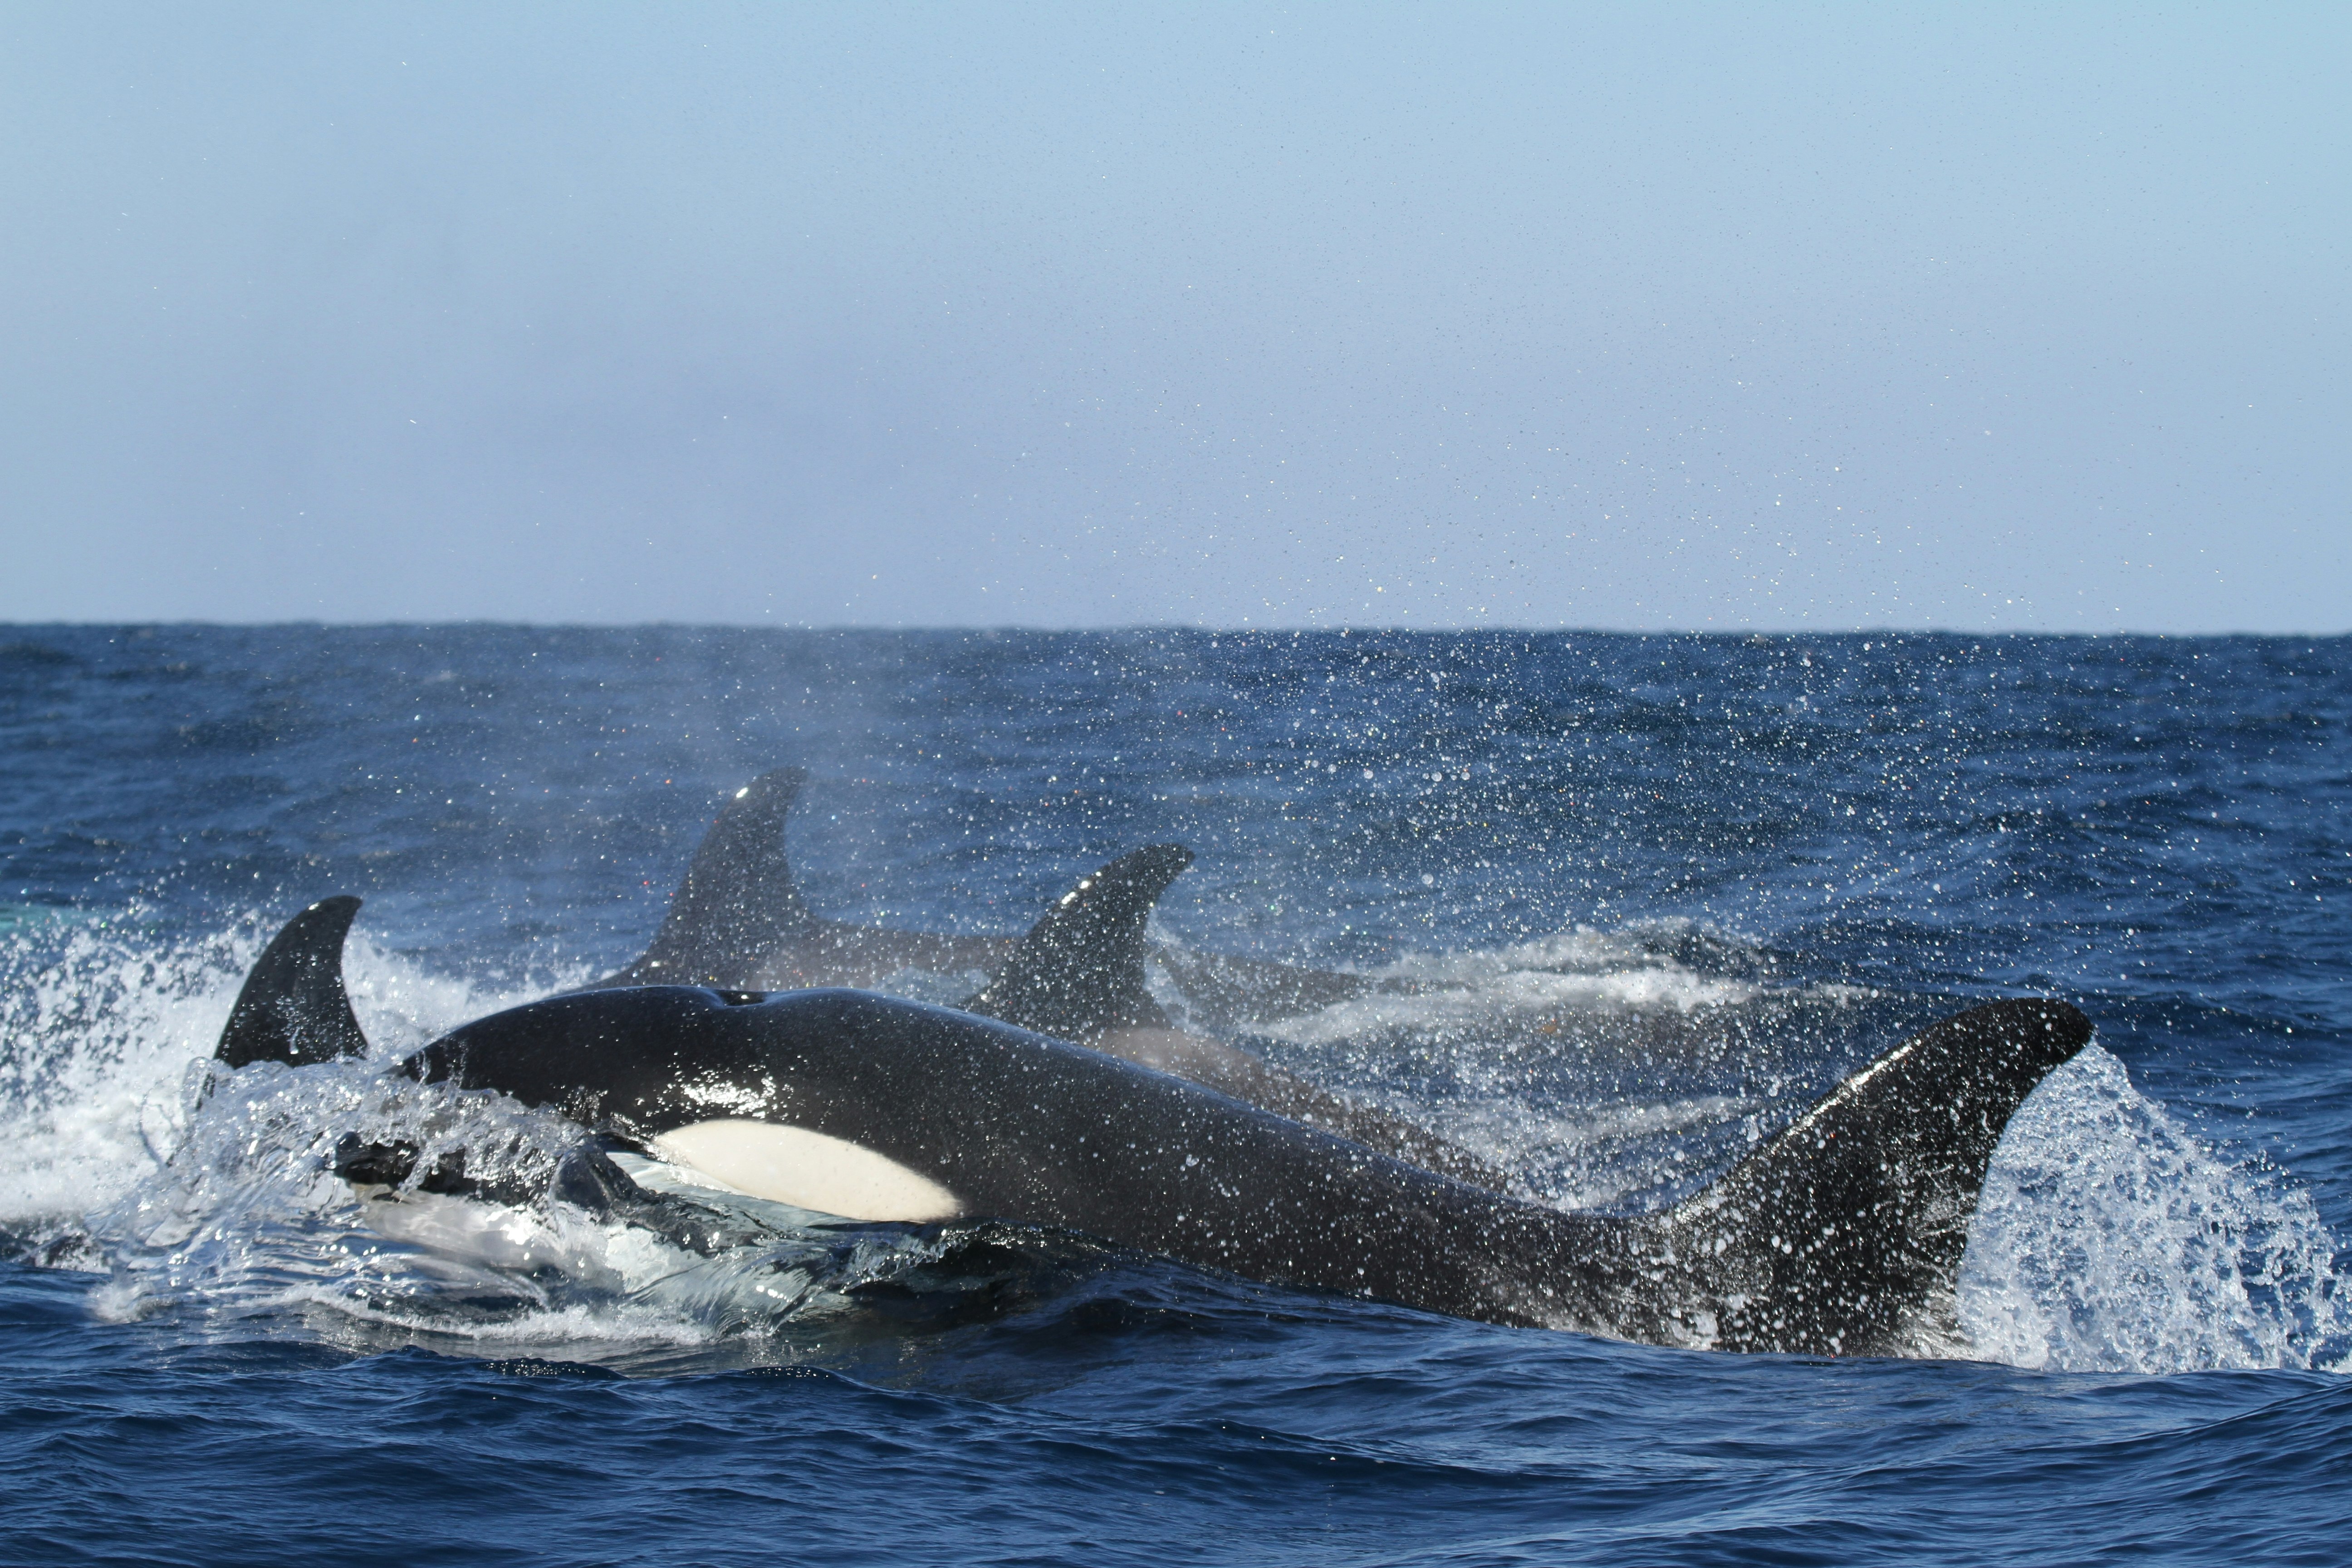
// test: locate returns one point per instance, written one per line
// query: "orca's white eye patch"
(808, 1170)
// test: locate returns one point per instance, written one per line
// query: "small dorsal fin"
(1079, 971)
(293, 1009)
(1839, 1233)
(737, 901)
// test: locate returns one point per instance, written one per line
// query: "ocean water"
(1659, 892)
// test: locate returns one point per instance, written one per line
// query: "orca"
(1840, 1235)
(1078, 976)
(739, 922)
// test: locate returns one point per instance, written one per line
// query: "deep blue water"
(1665, 889)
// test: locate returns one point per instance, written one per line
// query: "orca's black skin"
(1842, 1236)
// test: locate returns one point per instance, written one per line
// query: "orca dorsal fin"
(737, 901)
(1844, 1232)
(294, 1008)
(1079, 971)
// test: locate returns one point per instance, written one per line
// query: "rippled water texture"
(1652, 895)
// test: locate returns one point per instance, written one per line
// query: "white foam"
(2110, 1238)
(1581, 949)
(1582, 968)
(1492, 996)
(95, 1033)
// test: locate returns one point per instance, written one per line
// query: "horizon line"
(1167, 627)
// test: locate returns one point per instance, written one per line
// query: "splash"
(1634, 969)
(2109, 1238)
(1613, 1069)
(1479, 997)
(248, 1218)
(97, 1028)
(100, 1028)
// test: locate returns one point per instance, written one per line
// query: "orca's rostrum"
(1842, 1234)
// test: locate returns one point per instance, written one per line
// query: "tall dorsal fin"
(737, 901)
(1848, 1227)
(1079, 971)
(293, 1009)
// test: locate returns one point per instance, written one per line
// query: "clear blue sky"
(1691, 317)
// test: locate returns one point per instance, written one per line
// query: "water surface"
(1660, 891)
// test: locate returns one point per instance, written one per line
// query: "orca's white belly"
(808, 1170)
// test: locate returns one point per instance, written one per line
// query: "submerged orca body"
(738, 922)
(1840, 1235)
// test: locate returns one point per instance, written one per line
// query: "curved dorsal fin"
(293, 1009)
(737, 901)
(1846, 1228)
(1079, 971)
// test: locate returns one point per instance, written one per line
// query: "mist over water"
(1652, 896)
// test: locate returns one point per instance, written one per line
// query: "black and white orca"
(1840, 1235)
(738, 923)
